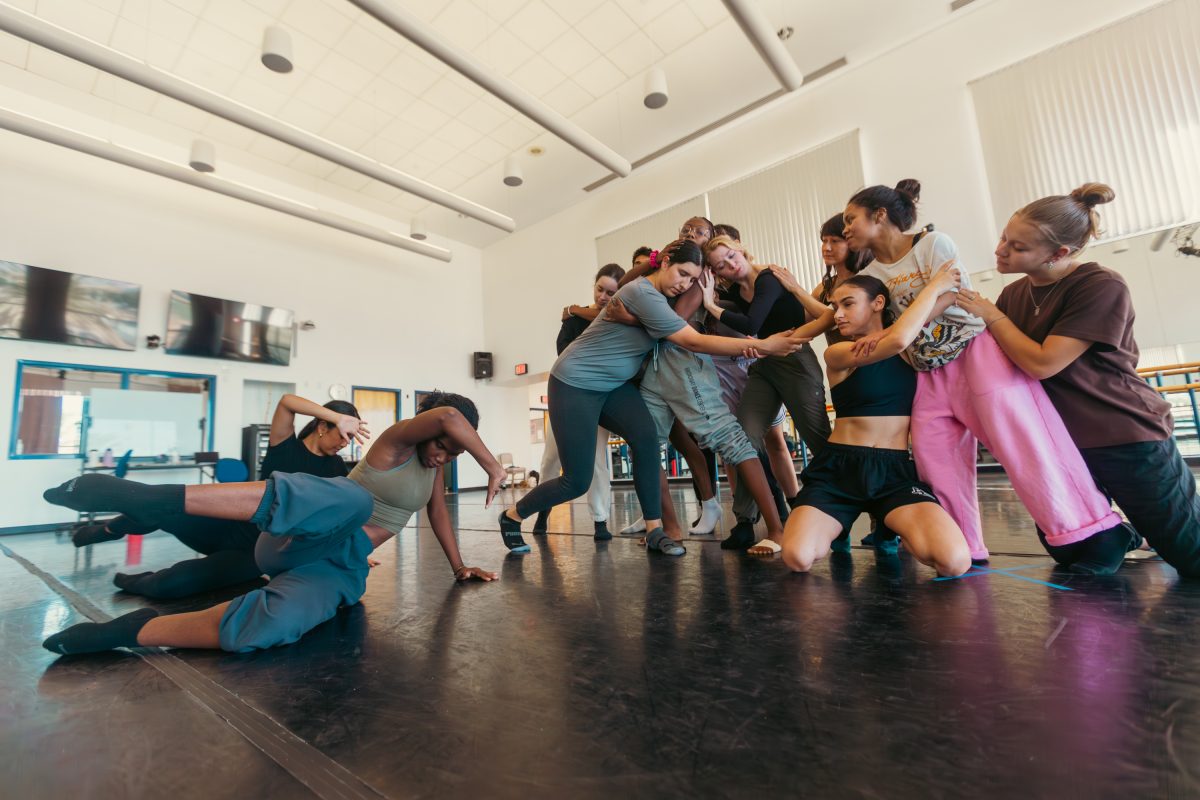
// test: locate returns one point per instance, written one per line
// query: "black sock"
(510, 532)
(127, 582)
(1100, 554)
(142, 503)
(94, 637)
(741, 537)
(92, 534)
(539, 524)
(602, 533)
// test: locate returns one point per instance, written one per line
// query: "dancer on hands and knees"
(590, 385)
(865, 466)
(228, 545)
(1069, 324)
(317, 534)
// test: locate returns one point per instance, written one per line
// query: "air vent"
(957, 4)
(832, 66)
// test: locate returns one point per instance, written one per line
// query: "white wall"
(911, 105)
(384, 317)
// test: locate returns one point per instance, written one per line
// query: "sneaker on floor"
(602, 533)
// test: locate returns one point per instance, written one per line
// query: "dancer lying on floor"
(317, 534)
(228, 545)
(865, 466)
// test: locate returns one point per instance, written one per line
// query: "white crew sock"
(637, 526)
(710, 517)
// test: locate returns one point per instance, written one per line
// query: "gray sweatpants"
(682, 385)
(796, 381)
(314, 549)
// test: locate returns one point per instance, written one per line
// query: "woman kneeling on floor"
(865, 466)
(317, 534)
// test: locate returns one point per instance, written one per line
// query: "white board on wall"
(148, 423)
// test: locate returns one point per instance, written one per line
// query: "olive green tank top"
(399, 492)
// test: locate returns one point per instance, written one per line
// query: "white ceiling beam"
(423, 36)
(761, 33)
(52, 37)
(84, 143)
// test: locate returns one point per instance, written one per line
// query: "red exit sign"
(522, 369)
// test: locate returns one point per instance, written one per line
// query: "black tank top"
(882, 389)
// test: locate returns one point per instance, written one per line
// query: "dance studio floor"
(598, 670)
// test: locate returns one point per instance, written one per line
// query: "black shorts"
(846, 480)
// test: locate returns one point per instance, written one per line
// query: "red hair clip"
(653, 259)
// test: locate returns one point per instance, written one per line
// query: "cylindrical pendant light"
(203, 157)
(656, 88)
(512, 172)
(277, 50)
(416, 230)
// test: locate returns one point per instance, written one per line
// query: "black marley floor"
(599, 670)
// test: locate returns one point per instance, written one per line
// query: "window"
(56, 406)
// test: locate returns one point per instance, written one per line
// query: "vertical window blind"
(1120, 105)
(779, 210)
(653, 231)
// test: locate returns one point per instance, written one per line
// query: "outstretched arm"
(399, 442)
(903, 331)
(283, 422)
(439, 520)
(1039, 361)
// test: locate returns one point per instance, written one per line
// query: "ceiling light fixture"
(656, 88)
(203, 157)
(94, 146)
(765, 39)
(423, 35)
(45, 34)
(512, 172)
(416, 229)
(277, 50)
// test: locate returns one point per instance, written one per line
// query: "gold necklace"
(1037, 307)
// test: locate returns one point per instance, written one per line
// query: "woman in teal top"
(590, 385)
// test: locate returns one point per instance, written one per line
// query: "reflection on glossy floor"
(597, 669)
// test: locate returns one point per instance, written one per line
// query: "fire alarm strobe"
(521, 369)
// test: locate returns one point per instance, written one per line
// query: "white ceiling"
(361, 85)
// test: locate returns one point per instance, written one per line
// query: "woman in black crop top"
(865, 466)
(228, 545)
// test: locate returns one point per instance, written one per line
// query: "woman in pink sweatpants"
(968, 390)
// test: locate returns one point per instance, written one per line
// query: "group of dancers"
(698, 345)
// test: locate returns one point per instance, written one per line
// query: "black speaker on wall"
(483, 365)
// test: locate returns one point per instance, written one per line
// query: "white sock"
(638, 526)
(710, 517)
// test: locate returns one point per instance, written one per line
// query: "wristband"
(997, 319)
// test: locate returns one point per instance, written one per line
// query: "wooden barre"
(1192, 367)
(1185, 387)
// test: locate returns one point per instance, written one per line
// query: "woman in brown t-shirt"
(1070, 324)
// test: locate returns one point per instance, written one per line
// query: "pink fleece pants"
(983, 395)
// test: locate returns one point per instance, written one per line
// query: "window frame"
(125, 373)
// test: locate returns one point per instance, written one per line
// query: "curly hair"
(440, 399)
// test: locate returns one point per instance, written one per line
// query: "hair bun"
(1093, 194)
(910, 188)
